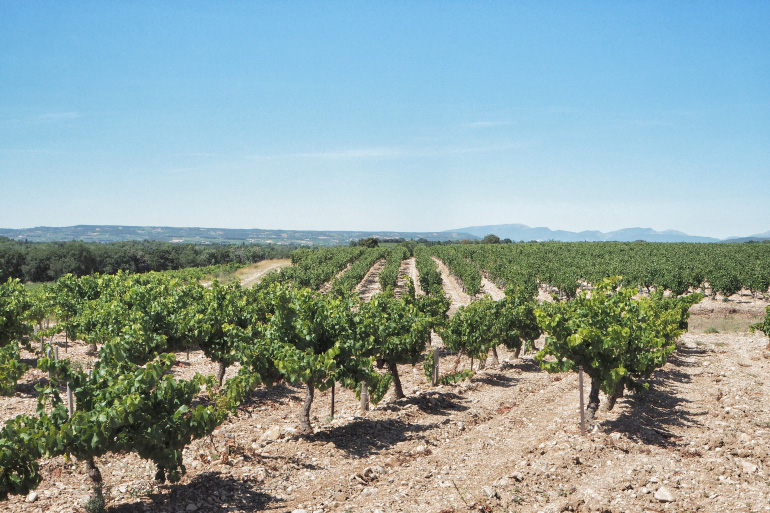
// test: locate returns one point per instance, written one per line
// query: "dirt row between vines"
(251, 275)
(507, 440)
(370, 285)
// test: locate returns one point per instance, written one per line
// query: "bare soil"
(408, 269)
(250, 275)
(326, 287)
(453, 287)
(370, 285)
(507, 440)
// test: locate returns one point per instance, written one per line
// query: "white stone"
(32, 497)
(274, 433)
(489, 491)
(502, 482)
(748, 467)
(664, 495)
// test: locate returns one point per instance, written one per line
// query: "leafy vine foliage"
(284, 330)
(763, 326)
(616, 339)
(16, 312)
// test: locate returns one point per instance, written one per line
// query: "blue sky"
(414, 116)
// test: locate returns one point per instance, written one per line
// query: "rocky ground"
(507, 440)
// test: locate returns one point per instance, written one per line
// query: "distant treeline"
(47, 261)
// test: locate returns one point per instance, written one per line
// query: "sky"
(393, 115)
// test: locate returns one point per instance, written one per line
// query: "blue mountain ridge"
(522, 232)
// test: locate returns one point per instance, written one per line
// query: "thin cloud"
(45, 118)
(30, 151)
(648, 123)
(356, 153)
(489, 124)
(181, 170)
(394, 152)
(353, 153)
(207, 155)
(55, 117)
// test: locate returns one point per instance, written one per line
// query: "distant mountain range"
(514, 232)
(105, 233)
(521, 232)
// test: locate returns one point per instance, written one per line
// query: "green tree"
(491, 239)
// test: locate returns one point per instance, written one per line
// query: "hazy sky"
(359, 115)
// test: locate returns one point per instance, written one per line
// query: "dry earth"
(407, 269)
(326, 287)
(370, 285)
(507, 440)
(453, 287)
(411, 264)
(251, 275)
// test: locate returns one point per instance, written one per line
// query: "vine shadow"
(365, 437)
(435, 403)
(522, 364)
(652, 416)
(495, 379)
(275, 393)
(242, 495)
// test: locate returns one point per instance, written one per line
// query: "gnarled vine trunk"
(304, 415)
(457, 361)
(593, 403)
(95, 503)
(613, 398)
(93, 472)
(221, 372)
(398, 391)
(494, 360)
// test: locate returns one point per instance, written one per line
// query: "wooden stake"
(434, 377)
(364, 397)
(70, 401)
(582, 408)
(334, 385)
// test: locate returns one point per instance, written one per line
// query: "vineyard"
(337, 384)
